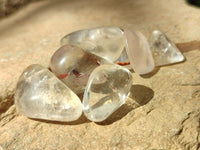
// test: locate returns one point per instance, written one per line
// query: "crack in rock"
(6, 102)
(8, 115)
(188, 135)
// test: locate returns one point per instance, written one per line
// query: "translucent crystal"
(164, 51)
(138, 52)
(123, 58)
(40, 94)
(107, 42)
(106, 91)
(73, 66)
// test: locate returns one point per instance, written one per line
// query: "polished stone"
(40, 94)
(107, 42)
(106, 91)
(138, 52)
(74, 65)
(164, 51)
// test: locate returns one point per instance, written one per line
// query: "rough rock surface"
(163, 111)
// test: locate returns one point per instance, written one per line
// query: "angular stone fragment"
(73, 66)
(107, 42)
(164, 51)
(106, 91)
(138, 52)
(39, 94)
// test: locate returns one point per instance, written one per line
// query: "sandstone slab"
(163, 109)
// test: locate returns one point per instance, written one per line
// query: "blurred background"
(9, 6)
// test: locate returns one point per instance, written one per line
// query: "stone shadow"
(138, 93)
(81, 120)
(149, 75)
(188, 46)
(141, 94)
(193, 2)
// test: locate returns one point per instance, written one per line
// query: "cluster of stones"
(86, 62)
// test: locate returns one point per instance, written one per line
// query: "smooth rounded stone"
(73, 66)
(164, 51)
(40, 94)
(107, 42)
(138, 52)
(106, 91)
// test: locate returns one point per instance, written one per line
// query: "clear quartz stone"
(107, 88)
(164, 51)
(40, 94)
(73, 66)
(107, 42)
(138, 52)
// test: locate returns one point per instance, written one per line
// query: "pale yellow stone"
(163, 50)
(107, 89)
(39, 94)
(107, 42)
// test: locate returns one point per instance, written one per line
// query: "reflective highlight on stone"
(73, 66)
(107, 42)
(123, 58)
(39, 94)
(107, 88)
(164, 51)
(139, 53)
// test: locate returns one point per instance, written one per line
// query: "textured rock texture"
(163, 111)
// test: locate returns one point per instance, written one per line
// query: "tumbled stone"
(73, 66)
(164, 51)
(39, 94)
(107, 42)
(107, 88)
(138, 52)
